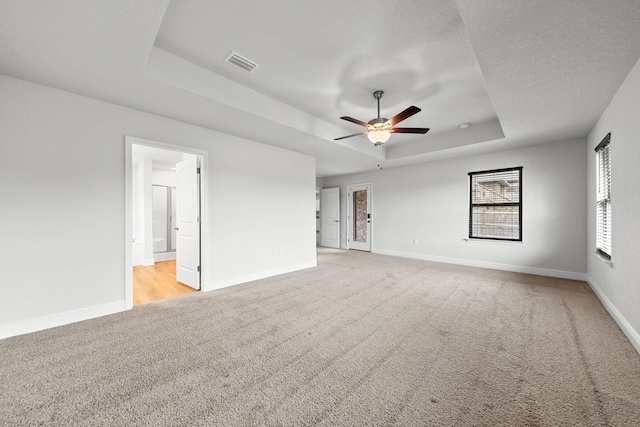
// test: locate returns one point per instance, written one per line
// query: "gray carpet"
(361, 340)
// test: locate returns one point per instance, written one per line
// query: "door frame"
(350, 213)
(129, 141)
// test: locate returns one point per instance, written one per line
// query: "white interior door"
(330, 217)
(359, 216)
(188, 222)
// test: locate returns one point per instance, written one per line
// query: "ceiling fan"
(380, 129)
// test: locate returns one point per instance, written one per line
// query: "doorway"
(164, 216)
(330, 217)
(359, 217)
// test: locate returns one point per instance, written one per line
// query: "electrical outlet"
(264, 253)
(415, 241)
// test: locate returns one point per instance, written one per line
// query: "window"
(495, 204)
(603, 198)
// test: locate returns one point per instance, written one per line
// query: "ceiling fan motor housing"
(380, 121)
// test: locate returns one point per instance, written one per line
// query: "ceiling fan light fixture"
(378, 136)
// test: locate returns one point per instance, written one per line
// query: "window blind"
(495, 205)
(603, 198)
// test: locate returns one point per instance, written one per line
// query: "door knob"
(177, 229)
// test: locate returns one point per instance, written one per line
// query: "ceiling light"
(464, 125)
(378, 136)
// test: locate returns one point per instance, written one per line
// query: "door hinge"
(198, 170)
(198, 220)
(198, 269)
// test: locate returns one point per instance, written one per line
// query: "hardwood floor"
(157, 282)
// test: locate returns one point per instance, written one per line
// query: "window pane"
(497, 222)
(603, 234)
(496, 188)
(360, 215)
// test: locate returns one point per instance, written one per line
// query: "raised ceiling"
(520, 72)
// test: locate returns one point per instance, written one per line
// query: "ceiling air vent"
(241, 62)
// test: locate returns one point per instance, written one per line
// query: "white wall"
(62, 177)
(163, 177)
(145, 166)
(430, 202)
(142, 221)
(618, 283)
(263, 201)
(137, 214)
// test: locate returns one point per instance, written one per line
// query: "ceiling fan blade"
(356, 121)
(404, 115)
(349, 136)
(409, 130)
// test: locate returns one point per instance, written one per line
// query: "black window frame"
(518, 203)
(603, 198)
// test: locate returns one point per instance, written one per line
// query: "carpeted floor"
(361, 340)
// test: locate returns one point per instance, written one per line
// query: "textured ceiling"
(521, 72)
(328, 64)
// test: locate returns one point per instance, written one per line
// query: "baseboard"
(622, 322)
(60, 319)
(164, 256)
(148, 261)
(236, 280)
(561, 274)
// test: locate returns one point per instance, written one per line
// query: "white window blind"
(495, 205)
(603, 198)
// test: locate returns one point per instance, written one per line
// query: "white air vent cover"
(241, 62)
